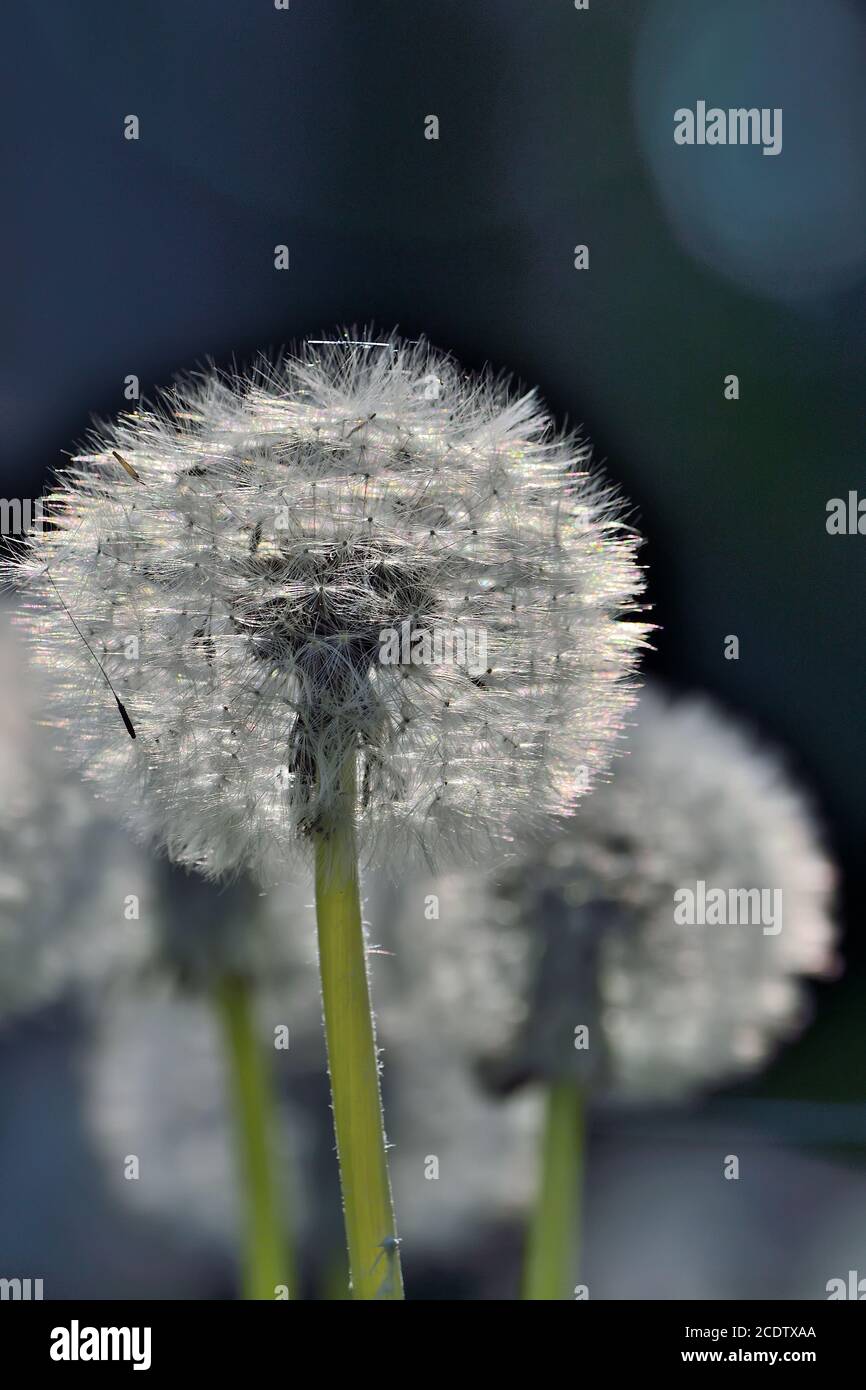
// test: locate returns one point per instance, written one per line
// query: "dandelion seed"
(127, 722)
(124, 463)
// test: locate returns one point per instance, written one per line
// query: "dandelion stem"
(374, 1256)
(551, 1254)
(267, 1260)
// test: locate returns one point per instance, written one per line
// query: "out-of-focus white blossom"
(233, 558)
(423, 977)
(157, 1091)
(459, 1160)
(200, 932)
(71, 884)
(584, 932)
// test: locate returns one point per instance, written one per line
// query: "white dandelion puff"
(232, 559)
(583, 931)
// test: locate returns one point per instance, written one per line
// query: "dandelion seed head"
(201, 933)
(669, 1007)
(233, 557)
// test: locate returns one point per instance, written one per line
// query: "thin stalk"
(552, 1244)
(371, 1233)
(267, 1261)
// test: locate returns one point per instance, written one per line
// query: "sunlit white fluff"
(233, 557)
(71, 884)
(590, 918)
(82, 906)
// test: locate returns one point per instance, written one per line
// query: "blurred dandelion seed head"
(68, 877)
(432, 1004)
(203, 932)
(669, 1007)
(235, 578)
(156, 1089)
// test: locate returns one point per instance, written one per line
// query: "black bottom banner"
(226, 1338)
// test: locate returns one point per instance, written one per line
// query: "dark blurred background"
(305, 127)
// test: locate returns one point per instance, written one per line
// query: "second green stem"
(266, 1257)
(551, 1255)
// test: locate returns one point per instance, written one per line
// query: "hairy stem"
(552, 1244)
(267, 1261)
(374, 1255)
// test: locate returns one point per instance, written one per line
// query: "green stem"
(266, 1259)
(551, 1255)
(374, 1255)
